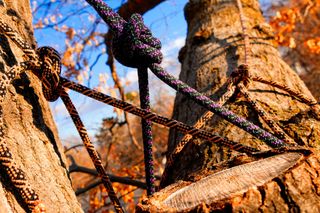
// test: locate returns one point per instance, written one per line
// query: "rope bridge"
(134, 46)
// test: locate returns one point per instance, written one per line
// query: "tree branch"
(74, 167)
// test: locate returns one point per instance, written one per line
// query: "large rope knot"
(49, 72)
(135, 46)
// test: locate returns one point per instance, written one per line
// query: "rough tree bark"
(32, 135)
(214, 48)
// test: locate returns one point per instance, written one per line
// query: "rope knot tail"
(49, 73)
(135, 46)
(241, 74)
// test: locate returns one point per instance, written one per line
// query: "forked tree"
(283, 180)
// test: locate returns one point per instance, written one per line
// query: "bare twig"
(74, 167)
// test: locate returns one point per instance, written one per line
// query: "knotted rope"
(16, 175)
(118, 27)
(46, 64)
(52, 88)
(128, 44)
(134, 46)
(243, 79)
(49, 74)
(48, 71)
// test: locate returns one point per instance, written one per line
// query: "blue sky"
(166, 22)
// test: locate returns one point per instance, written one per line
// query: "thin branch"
(74, 167)
(114, 75)
(72, 147)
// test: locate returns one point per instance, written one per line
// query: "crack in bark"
(262, 192)
(293, 207)
(317, 171)
(313, 178)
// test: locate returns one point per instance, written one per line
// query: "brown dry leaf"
(292, 43)
(78, 48)
(70, 33)
(313, 45)
(38, 25)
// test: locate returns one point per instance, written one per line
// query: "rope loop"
(49, 74)
(135, 46)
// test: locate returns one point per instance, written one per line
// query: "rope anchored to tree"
(141, 47)
(45, 64)
(134, 46)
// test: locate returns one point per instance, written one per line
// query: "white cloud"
(173, 46)
(131, 76)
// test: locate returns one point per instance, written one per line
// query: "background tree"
(214, 49)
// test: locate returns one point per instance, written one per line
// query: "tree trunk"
(31, 133)
(214, 49)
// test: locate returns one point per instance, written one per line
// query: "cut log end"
(221, 186)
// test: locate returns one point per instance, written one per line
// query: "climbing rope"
(301, 97)
(134, 46)
(245, 34)
(241, 79)
(246, 78)
(146, 129)
(186, 138)
(145, 114)
(16, 175)
(46, 64)
(242, 87)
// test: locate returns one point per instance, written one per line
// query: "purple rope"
(133, 44)
(216, 108)
(132, 48)
(114, 20)
(146, 129)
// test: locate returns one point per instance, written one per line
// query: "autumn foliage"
(296, 25)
